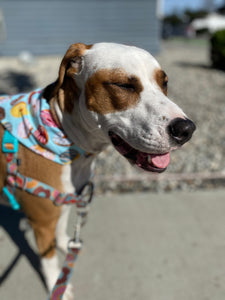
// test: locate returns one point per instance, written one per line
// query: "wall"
(49, 27)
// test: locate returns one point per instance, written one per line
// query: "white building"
(212, 23)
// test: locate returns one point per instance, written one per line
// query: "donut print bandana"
(28, 118)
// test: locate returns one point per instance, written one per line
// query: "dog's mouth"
(146, 161)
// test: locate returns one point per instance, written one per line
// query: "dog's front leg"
(44, 228)
(43, 216)
(50, 269)
(45, 237)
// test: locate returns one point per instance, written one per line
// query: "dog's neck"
(80, 129)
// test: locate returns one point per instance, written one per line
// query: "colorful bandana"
(28, 118)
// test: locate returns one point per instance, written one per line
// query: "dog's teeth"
(149, 159)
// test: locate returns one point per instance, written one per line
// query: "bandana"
(28, 118)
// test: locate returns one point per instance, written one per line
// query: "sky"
(171, 6)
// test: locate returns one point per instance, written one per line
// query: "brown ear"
(64, 90)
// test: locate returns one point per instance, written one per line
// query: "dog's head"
(121, 94)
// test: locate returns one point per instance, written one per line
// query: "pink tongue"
(160, 161)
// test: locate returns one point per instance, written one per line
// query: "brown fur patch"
(65, 90)
(108, 91)
(41, 212)
(162, 80)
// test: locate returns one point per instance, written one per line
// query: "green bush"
(217, 50)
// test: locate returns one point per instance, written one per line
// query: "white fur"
(50, 268)
(62, 237)
(51, 271)
(144, 126)
(151, 115)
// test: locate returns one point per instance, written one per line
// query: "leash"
(74, 245)
(82, 200)
(66, 273)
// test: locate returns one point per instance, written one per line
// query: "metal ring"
(87, 191)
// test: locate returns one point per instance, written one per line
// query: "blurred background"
(188, 39)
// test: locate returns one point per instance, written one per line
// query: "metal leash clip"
(86, 195)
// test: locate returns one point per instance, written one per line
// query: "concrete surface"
(137, 246)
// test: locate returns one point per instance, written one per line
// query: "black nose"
(181, 130)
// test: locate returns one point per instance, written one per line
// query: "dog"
(105, 94)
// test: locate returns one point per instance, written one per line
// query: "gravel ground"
(193, 85)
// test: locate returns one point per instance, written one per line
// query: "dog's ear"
(72, 62)
(64, 89)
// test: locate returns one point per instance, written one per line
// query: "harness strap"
(16, 180)
(35, 187)
(43, 190)
(10, 147)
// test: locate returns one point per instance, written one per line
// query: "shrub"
(217, 51)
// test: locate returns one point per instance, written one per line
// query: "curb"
(159, 182)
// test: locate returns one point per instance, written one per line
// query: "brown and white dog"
(105, 93)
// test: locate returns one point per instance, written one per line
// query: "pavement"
(136, 246)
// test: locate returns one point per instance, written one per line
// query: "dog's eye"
(165, 85)
(125, 86)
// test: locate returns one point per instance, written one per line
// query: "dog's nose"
(181, 130)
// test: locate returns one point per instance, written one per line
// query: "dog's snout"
(181, 130)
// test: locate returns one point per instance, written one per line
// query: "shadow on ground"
(197, 66)
(10, 222)
(16, 82)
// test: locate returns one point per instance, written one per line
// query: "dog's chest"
(75, 175)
